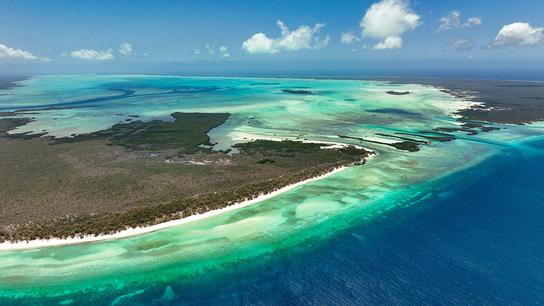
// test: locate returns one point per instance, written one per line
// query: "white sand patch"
(314, 207)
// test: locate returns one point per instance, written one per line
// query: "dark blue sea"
(480, 241)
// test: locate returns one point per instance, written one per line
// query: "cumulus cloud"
(126, 49)
(90, 54)
(391, 42)
(196, 51)
(519, 34)
(17, 54)
(462, 44)
(260, 43)
(304, 37)
(211, 50)
(453, 21)
(224, 51)
(387, 20)
(450, 21)
(473, 21)
(348, 38)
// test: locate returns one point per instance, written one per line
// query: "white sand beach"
(41, 243)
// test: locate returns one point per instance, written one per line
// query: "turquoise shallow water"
(166, 265)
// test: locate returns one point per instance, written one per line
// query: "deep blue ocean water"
(479, 241)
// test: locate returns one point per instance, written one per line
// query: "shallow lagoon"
(159, 267)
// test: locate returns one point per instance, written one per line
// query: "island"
(138, 174)
(397, 93)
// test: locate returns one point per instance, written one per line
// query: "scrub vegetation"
(141, 173)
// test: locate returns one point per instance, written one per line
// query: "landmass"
(8, 82)
(501, 101)
(298, 91)
(140, 173)
(397, 93)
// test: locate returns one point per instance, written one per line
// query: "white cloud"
(519, 34)
(348, 38)
(196, 51)
(462, 44)
(453, 21)
(126, 49)
(211, 51)
(224, 51)
(473, 21)
(387, 20)
(260, 43)
(46, 59)
(450, 21)
(391, 42)
(18, 54)
(90, 54)
(304, 37)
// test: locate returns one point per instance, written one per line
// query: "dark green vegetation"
(186, 133)
(289, 149)
(470, 128)
(403, 138)
(410, 146)
(7, 124)
(397, 93)
(513, 102)
(431, 135)
(141, 173)
(298, 91)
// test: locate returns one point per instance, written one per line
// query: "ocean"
(478, 242)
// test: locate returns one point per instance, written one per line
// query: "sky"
(500, 38)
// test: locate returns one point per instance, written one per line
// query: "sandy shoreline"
(41, 243)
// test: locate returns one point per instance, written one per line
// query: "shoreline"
(130, 232)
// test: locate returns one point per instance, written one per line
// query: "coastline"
(41, 243)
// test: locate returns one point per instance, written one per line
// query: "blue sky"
(109, 36)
